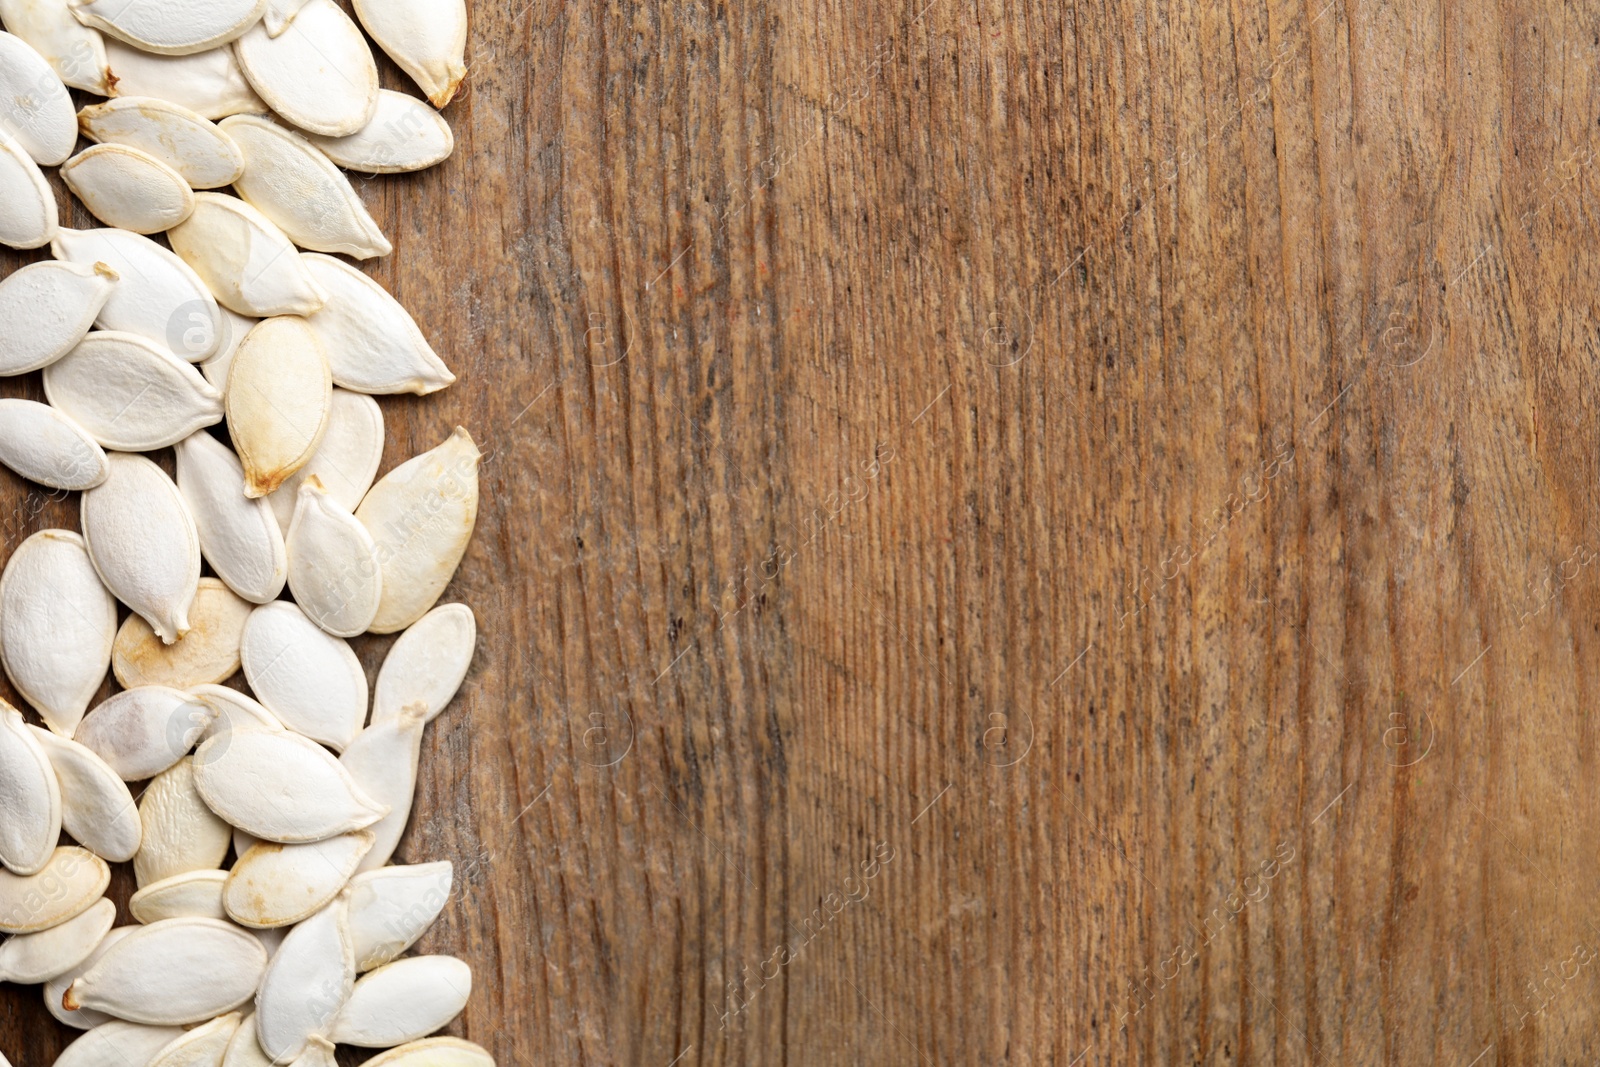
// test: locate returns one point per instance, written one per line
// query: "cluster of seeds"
(300, 944)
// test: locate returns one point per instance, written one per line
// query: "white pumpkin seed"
(131, 393)
(28, 216)
(373, 344)
(404, 135)
(333, 564)
(248, 262)
(426, 38)
(169, 28)
(319, 1052)
(244, 1050)
(97, 809)
(235, 711)
(235, 326)
(291, 182)
(143, 732)
(427, 664)
(46, 308)
(277, 400)
(279, 14)
(156, 296)
(56, 624)
(34, 958)
(280, 885)
(434, 1052)
(204, 1046)
(30, 797)
(142, 540)
(239, 537)
(307, 983)
(74, 51)
(65, 888)
(383, 761)
(34, 106)
(311, 681)
(173, 973)
(208, 83)
(345, 462)
(390, 908)
(46, 446)
(281, 787)
(201, 153)
(56, 988)
(190, 895)
(317, 72)
(180, 833)
(128, 188)
(403, 1001)
(421, 515)
(207, 654)
(118, 1044)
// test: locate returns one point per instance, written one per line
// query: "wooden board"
(1013, 532)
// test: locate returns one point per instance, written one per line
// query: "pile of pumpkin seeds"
(243, 343)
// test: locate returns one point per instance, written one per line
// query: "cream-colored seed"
(317, 72)
(333, 564)
(142, 732)
(170, 27)
(307, 983)
(204, 1046)
(66, 887)
(56, 988)
(181, 834)
(31, 797)
(35, 108)
(403, 1001)
(208, 83)
(207, 654)
(281, 787)
(28, 216)
(190, 895)
(156, 296)
(239, 536)
(97, 808)
(173, 973)
(345, 462)
(427, 664)
(128, 188)
(32, 959)
(277, 400)
(116, 1043)
(373, 344)
(142, 540)
(192, 146)
(404, 135)
(74, 51)
(311, 681)
(279, 885)
(426, 38)
(248, 262)
(130, 393)
(45, 310)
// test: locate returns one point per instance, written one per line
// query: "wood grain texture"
(1014, 532)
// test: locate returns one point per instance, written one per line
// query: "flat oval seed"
(142, 540)
(118, 1044)
(235, 327)
(279, 885)
(345, 462)
(404, 135)
(208, 83)
(74, 51)
(311, 681)
(426, 38)
(373, 344)
(318, 72)
(157, 296)
(180, 833)
(244, 1050)
(34, 106)
(204, 1046)
(29, 796)
(28, 216)
(235, 711)
(207, 654)
(277, 400)
(383, 761)
(307, 983)
(142, 732)
(130, 393)
(34, 958)
(434, 1052)
(65, 888)
(390, 908)
(403, 1001)
(46, 308)
(279, 14)
(97, 809)
(191, 895)
(427, 664)
(239, 537)
(56, 624)
(201, 153)
(173, 973)
(333, 564)
(128, 188)
(46, 446)
(247, 261)
(281, 787)
(170, 28)
(291, 182)
(56, 988)
(421, 515)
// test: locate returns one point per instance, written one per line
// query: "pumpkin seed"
(421, 516)
(239, 537)
(97, 809)
(291, 182)
(373, 344)
(434, 1052)
(311, 681)
(156, 296)
(235, 711)
(207, 654)
(235, 326)
(56, 988)
(31, 796)
(28, 216)
(46, 308)
(128, 188)
(66, 887)
(142, 540)
(118, 1044)
(180, 833)
(403, 1001)
(44, 445)
(34, 958)
(317, 72)
(246, 260)
(130, 393)
(173, 973)
(404, 135)
(204, 1046)
(333, 564)
(345, 462)
(74, 51)
(427, 664)
(142, 732)
(277, 401)
(244, 1050)
(383, 761)
(280, 885)
(56, 622)
(281, 787)
(208, 83)
(192, 894)
(202, 154)
(391, 907)
(307, 982)
(426, 38)
(34, 106)
(166, 28)
(279, 14)
(318, 1053)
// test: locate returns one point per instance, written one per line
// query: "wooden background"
(1014, 532)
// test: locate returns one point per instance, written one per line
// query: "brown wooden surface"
(1129, 463)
